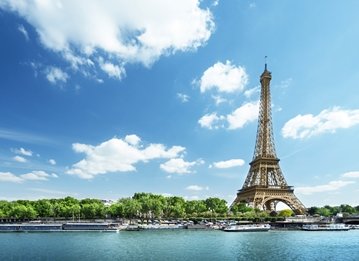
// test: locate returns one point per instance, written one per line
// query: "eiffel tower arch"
(265, 184)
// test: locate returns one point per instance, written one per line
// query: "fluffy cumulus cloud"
(211, 121)
(351, 174)
(52, 161)
(9, 177)
(224, 77)
(119, 31)
(55, 75)
(331, 186)
(179, 166)
(118, 155)
(237, 119)
(228, 164)
(113, 70)
(241, 116)
(36, 175)
(329, 120)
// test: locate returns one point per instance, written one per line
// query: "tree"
(131, 208)
(216, 205)
(89, 210)
(175, 207)
(242, 207)
(20, 211)
(44, 208)
(286, 213)
(313, 210)
(325, 212)
(117, 210)
(195, 207)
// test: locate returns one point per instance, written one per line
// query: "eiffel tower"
(265, 184)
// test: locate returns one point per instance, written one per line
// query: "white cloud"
(329, 120)
(210, 121)
(52, 161)
(183, 97)
(226, 78)
(19, 159)
(22, 29)
(122, 31)
(54, 175)
(331, 186)
(196, 188)
(351, 174)
(179, 166)
(22, 151)
(250, 92)
(113, 70)
(36, 175)
(228, 163)
(218, 99)
(133, 139)
(54, 75)
(243, 115)
(9, 177)
(118, 155)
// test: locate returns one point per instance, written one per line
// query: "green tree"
(325, 212)
(195, 207)
(286, 213)
(216, 205)
(131, 207)
(44, 208)
(20, 211)
(117, 210)
(89, 210)
(175, 207)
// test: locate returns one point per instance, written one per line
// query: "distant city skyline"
(103, 100)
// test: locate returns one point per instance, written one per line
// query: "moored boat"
(325, 227)
(248, 228)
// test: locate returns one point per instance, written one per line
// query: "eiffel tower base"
(265, 198)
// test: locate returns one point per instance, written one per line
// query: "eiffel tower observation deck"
(265, 184)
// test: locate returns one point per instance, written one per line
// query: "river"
(181, 245)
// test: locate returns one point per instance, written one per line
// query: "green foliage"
(148, 206)
(286, 213)
(216, 205)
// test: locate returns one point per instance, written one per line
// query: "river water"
(181, 245)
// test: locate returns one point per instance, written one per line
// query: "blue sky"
(103, 100)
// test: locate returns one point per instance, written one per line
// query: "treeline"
(144, 206)
(141, 206)
(328, 211)
(147, 206)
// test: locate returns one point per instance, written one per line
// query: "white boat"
(247, 228)
(325, 227)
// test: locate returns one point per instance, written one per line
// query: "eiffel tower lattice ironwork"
(265, 184)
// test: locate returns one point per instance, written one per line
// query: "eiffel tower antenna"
(265, 184)
(265, 62)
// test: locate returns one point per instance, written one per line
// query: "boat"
(325, 227)
(30, 227)
(103, 226)
(247, 228)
